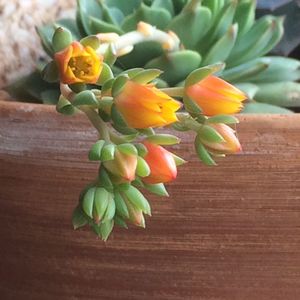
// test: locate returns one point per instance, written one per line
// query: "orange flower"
(123, 165)
(162, 164)
(144, 106)
(230, 145)
(78, 64)
(216, 96)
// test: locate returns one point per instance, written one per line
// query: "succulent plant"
(210, 31)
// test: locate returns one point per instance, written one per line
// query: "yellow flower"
(216, 96)
(144, 106)
(78, 64)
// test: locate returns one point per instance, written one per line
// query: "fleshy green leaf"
(85, 98)
(142, 168)
(95, 152)
(78, 218)
(88, 202)
(138, 200)
(157, 189)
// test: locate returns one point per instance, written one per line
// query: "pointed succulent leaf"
(142, 168)
(120, 222)
(79, 219)
(111, 209)
(117, 117)
(127, 7)
(62, 38)
(176, 65)
(100, 202)
(46, 33)
(78, 87)
(146, 76)
(104, 179)
(245, 15)
(121, 208)
(196, 22)
(264, 108)
(157, 189)
(108, 152)
(118, 84)
(106, 74)
(158, 17)
(199, 74)
(138, 200)
(178, 160)
(225, 119)
(91, 41)
(100, 26)
(95, 152)
(106, 229)
(210, 134)
(64, 106)
(88, 201)
(110, 56)
(163, 139)
(132, 72)
(85, 98)
(128, 149)
(142, 150)
(222, 48)
(203, 154)
(166, 4)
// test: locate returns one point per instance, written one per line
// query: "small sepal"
(79, 218)
(163, 139)
(85, 98)
(96, 150)
(201, 73)
(65, 107)
(61, 39)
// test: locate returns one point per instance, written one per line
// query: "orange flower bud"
(123, 165)
(162, 164)
(230, 144)
(144, 106)
(78, 64)
(216, 96)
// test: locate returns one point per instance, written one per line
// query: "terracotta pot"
(227, 232)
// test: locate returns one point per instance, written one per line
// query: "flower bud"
(216, 96)
(162, 164)
(229, 145)
(123, 165)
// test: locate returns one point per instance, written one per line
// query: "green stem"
(98, 123)
(188, 121)
(174, 92)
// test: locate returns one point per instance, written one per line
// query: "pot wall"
(227, 232)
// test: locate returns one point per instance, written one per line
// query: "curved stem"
(98, 123)
(188, 121)
(174, 92)
(144, 33)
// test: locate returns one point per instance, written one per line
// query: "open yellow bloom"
(78, 64)
(216, 96)
(144, 106)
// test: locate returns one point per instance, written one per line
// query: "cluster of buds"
(126, 108)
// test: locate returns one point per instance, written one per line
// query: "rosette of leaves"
(210, 31)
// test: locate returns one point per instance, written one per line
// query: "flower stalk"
(126, 109)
